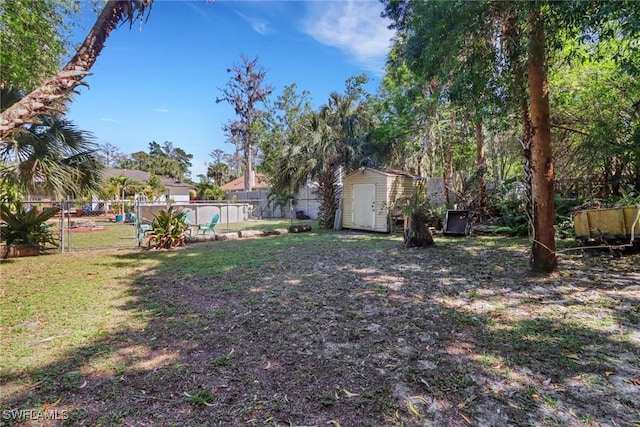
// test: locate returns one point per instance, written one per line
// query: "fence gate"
(103, 225)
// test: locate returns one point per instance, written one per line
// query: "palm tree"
(49, 98)
(118, 185)
(321, 147)
(153, 187)
(52, 157)
(351, 123)
(218, 172)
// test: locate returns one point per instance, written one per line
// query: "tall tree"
(325, 144)
(218, 172)
(405, 138)
(437, 32)
(245, 90)
(596, 118)
(25, 28)
(542, 178)
(163, 160)
(48, 99)
(217, 155)
(109, 154)
(282, 120)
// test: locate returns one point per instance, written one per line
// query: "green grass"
(119, 235)
(53, 303)
(112, 236)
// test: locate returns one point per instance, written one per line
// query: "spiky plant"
(168, 229)
(27, 226)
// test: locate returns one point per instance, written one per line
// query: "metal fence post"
(136, 222)
(69, 245)
(227, 216)
(62, 227)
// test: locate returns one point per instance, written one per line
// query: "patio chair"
(187, 222)
(141, 228)
(209, 228)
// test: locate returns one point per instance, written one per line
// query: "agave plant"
(168, 229)
(28, 226)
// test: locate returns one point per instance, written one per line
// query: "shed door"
(364, 199)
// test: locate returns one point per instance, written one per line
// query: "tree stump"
(417, 234)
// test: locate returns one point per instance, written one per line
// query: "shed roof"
(387, 172)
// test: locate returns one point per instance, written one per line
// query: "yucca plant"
(168, 228)
(27, 226)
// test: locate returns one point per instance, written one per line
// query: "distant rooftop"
(142, 176)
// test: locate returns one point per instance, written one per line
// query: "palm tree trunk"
(49, 98)
(544, 258)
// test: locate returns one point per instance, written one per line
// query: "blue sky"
(159, 80)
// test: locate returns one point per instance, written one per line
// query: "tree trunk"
(482, 167)
(49, 98)
(447, 170)
(543, 247)
(417, 234)
(249, 180)
(328, 193)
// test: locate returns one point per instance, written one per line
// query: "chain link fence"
(83, 226)
(80, 225)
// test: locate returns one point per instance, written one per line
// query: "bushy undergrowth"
(512, 217)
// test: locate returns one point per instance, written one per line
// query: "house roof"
(238, 183)
(387, 172)
(142, 176)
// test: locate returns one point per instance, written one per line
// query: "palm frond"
(54, 157)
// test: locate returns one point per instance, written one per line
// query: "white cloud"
(161, 110)
(259, 25)
(109, 120)
(353, 26)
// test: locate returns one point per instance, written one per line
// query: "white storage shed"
(368, 194)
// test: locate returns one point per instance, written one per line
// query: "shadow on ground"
(352, 329)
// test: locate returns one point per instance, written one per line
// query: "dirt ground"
(354, 330)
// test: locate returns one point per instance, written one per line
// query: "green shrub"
(168, 228)
(512, 218)
(28, 226)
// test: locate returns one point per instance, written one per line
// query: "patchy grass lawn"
(107, 235)
(331, 328)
